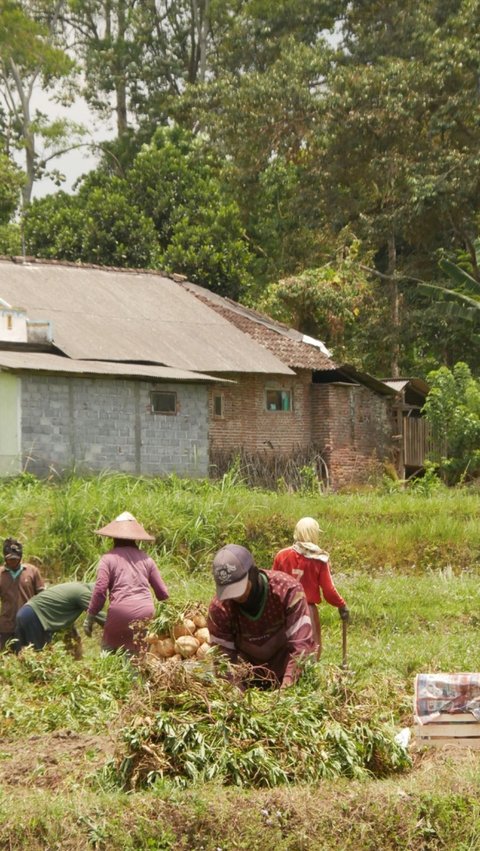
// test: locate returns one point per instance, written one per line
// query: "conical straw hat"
(125, 527)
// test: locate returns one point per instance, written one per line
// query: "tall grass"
(404, 531)
(407, 564)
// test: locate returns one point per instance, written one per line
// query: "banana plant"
(467, 289)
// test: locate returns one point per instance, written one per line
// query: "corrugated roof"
(287, 344)
(416, 384)
(396, 385)
(114, 315)
(42, 362)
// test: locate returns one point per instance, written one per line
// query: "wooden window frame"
(288, 410)
(221, 415)
(157, 393)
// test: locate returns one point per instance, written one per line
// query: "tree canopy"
(318, 159)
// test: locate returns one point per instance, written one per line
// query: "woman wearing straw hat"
(127, 574)
(310, 566)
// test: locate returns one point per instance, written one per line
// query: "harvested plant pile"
(191, 725)
(186, 638)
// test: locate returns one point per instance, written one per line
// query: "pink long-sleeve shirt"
(126, 574)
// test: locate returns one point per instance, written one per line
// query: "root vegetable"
(200, 621)
(185, 627)
(165, 648)
(203, 651)
(203, 635)
(187, 646)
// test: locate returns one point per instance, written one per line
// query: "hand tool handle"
(344, 644)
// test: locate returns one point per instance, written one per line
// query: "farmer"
(19, 582)
(259, 617)
(51, 611)
(126, 573)
(310, 566)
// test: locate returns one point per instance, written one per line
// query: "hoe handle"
(344, 644)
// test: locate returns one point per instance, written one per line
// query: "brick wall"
(95, 424)
(246, 422)
(354, 425)
(349, 424)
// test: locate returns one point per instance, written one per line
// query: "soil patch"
(52, 760)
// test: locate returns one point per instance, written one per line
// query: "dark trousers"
(4, 638)
(29, 630)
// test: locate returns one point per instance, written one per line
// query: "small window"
(218, 406)
(163, 402)
(9, 322)
(279, 400)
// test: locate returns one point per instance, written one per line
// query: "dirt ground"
(52, 760)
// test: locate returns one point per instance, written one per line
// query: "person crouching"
(259, 617)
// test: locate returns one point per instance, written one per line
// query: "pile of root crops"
(190, 723)
(187, 638)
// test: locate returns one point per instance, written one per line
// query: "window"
(163, 402)
(279, 400)
(218, 406)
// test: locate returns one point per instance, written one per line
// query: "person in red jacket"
(310, 566)
(259, 617)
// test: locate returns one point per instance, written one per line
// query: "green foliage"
(32, 53)
(11, 181)
(405, 529)
(331, 302)
(100, 225)
(255, 739)
(170, 211)
(10, 240)
(49, 691)
(453, 410)
(177, 181)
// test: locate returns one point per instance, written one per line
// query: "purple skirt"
(119, 631)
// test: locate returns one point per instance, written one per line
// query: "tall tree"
(169, 211)
(31, 55)
(399, 159)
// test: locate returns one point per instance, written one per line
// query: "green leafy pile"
(41, 692)
(191, 725)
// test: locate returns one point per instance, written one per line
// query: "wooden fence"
(418, 443)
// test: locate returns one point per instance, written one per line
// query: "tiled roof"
(287, 344)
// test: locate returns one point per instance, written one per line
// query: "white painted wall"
(10, 449)
(13, 325)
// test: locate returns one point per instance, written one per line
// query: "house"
(332, 416)
(149, 374)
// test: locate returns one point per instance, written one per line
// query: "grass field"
(406, 562)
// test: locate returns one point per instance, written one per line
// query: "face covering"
(254, 601)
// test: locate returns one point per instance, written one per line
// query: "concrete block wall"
(96, 424)
(247, 424)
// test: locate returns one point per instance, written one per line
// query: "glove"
(88, 625)
(344, 614)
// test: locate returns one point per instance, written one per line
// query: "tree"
(99, 225)
(29, 55)
(334, 302)
(11, 182)
(467, 284)
(398, 157)
(168, 212)
(177, 181)
(452, 408)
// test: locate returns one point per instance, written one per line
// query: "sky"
(76, 162)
